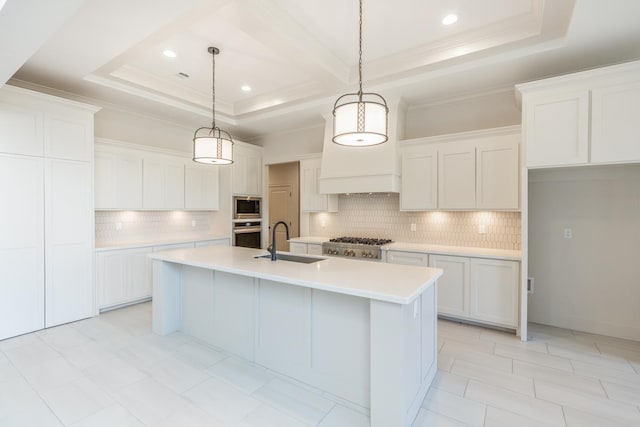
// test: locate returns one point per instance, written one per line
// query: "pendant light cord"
(213, 91)
(360, 55)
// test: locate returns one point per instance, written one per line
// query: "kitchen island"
(362, 331)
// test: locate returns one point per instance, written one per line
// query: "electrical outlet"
(568, 233)
(530, 284)
(413, 227)
(482, 229)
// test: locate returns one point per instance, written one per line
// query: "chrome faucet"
(272, 248)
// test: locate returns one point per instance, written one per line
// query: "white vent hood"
(374, 169)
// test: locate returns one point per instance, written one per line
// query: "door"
(281, 209)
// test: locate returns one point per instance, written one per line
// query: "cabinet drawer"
(407, 258)
(297, 247)
(314, 249)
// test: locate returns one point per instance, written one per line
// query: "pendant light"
(212, 145)
(360, 119)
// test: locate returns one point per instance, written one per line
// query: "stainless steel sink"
(292, 258)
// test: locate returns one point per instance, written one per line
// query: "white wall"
(590, 282)
(288, 146)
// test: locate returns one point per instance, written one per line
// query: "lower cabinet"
(477, 289)
(305, 248)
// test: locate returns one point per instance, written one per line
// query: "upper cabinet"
(584, 118)
(132, 177)
(466, 171)
(247, 169)
(310, 198)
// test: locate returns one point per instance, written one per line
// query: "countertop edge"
(150, 243)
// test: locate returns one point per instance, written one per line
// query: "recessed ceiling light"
(169, 53)
(245, 88)
(452, 18)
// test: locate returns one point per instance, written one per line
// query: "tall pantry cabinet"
(47, 219)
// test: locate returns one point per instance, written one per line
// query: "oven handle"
(244, 230)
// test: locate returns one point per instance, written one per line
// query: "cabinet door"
(247, 171)
(494, 291)
(407, 258)
(109, 278)
(309, 197)
(137, 274)
(20, 131)
(69, 230)
(615, 123)
(254, 174)
(153, 184)
(105, 180)
(21, 245)
(298, 247)
(118, 181)
(239, 171)
(174, 186)
(497, 175)
(453, 286)
(419, 189)
(457, 177)
(201, 187)
(556, 129)
(314, 249)
(69, 136)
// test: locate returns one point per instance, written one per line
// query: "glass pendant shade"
(358, 122)
(212, 146)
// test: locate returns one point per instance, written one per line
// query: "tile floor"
(111, 371)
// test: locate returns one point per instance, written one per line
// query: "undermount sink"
(292, 258)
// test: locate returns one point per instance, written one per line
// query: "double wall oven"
(247, 222)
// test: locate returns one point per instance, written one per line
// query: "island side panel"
(167, 301)
(403, 343)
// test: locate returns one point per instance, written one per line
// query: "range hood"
(374, 169)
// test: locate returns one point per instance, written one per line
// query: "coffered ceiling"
(298, 56)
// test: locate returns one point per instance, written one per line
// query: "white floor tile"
(197, 354)
(510, 339)
(18, 341)
(37, 415)
(526, 406)
(452, 383)
(555, 376)
(294, 400)
(63, 336)
(114, 374)
(50, 374)
(16, 396)
(501, 418)
(604, 373)
(622, 393)
(99, 330)
(613, 362)
(34, 352)
(266, 416)
(474, 345)
(141, 354)
(459, 351)
(586, 402)
(190, 416)
(494, 377)
(224, 402)
(86, 355)
(177, 375)
(8, 372)
(577, 418)
(533, 357)
(111, 416)
(149, 401)
(427, 418)
(340, 416)
(456, 407)
(75, 401)
(244, 375)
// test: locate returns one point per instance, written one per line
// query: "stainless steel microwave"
(247, 207)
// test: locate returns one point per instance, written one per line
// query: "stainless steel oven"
(247, 207)
(247, 233)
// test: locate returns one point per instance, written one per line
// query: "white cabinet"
(497, 175)
(583, 118)
(465, 171)
(419, 189)
(407, 258)
(305, 248)
(118, 180)
(69, 230)
(201, 187)
(310, 198)
(48, 227)
(314, 248)
(453, 286)
(163, 183)
(123, 276)
(615, 123)
(21, 245)
(247, 170)
(494, 291)
(556, 128)
(456, 176)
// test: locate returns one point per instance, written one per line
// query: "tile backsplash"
(379, 215)
(128, 226)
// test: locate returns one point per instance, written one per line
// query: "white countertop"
(310, 239)
(455, 250)
(394, 283)
(156, 242)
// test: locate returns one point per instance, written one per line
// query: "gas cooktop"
(361, 241)
(355, 247)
